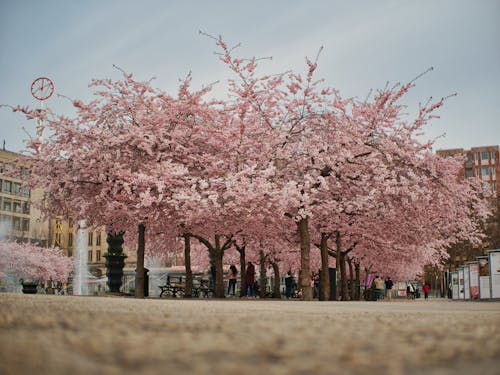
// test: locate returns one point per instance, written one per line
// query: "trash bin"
(146, 282)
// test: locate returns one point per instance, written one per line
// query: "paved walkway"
(43, 334)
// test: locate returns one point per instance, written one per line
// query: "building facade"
(19, 220)
(63, 234)
(483, 163)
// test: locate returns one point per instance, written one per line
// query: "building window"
(493, 173)
(494, 186)
(492, 155)
(90, 256)
(469, 158)
(17, 223)
(16, 207)
(70, 252)
(469, 172)
(6, 222)
(7, 204)
(70, 239)
(98, 239)
(7, 186)
(485, 172)
(26, 193)
(26, 208)
(26, 225)
(98, 255)
(91, 239)
(17, 188)
(484, 155)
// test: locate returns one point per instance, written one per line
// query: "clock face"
(42, 88)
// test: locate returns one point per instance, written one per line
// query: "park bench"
(201, 288)
(174, 287)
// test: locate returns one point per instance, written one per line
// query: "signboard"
(454, 285)
(466, 283)
(495, 273)
(460, 272)
(401, 289)
(484, 277)
(474, 280)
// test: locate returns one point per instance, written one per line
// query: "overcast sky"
(367, 43)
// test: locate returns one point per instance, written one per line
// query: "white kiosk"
(460, 272)
(494, 260)
(473, 280)
(484, 277)
(454, 285)
(466, 282)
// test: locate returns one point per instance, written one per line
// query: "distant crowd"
(384, 289)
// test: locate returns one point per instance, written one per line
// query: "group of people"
(380, 285)
(412, 292)
(249, 277)
(252, 287)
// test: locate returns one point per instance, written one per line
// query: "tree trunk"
(219, 271)
(341, 255)
(188, 293)
(243, 269)
(216, 254)
(357, 269)
(276, 285)
(305, 261)
(139, 270)
(351, 279)
(262, 276)
(338, 244)
(343, 275)
(324, 275)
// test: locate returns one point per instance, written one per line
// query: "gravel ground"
(43, 334)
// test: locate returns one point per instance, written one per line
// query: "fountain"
(80, 287)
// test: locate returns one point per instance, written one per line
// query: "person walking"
(426, 289)
(233, 274)
(379, 287)
(388, 287)
(410, 291)
(289, 285)
(250, 279)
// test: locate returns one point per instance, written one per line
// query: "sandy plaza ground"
(47, 334)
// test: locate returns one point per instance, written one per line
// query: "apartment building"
(19, 221)
(64, 235)
(481, 162)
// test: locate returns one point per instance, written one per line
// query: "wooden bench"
(201, 288)
(174, 287)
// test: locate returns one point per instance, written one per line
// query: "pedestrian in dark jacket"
(250, 279)
(388, 287)
(289, 284)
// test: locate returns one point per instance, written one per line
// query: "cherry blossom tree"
(284, 162)
(31, 262)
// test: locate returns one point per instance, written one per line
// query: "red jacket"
(426, 288)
